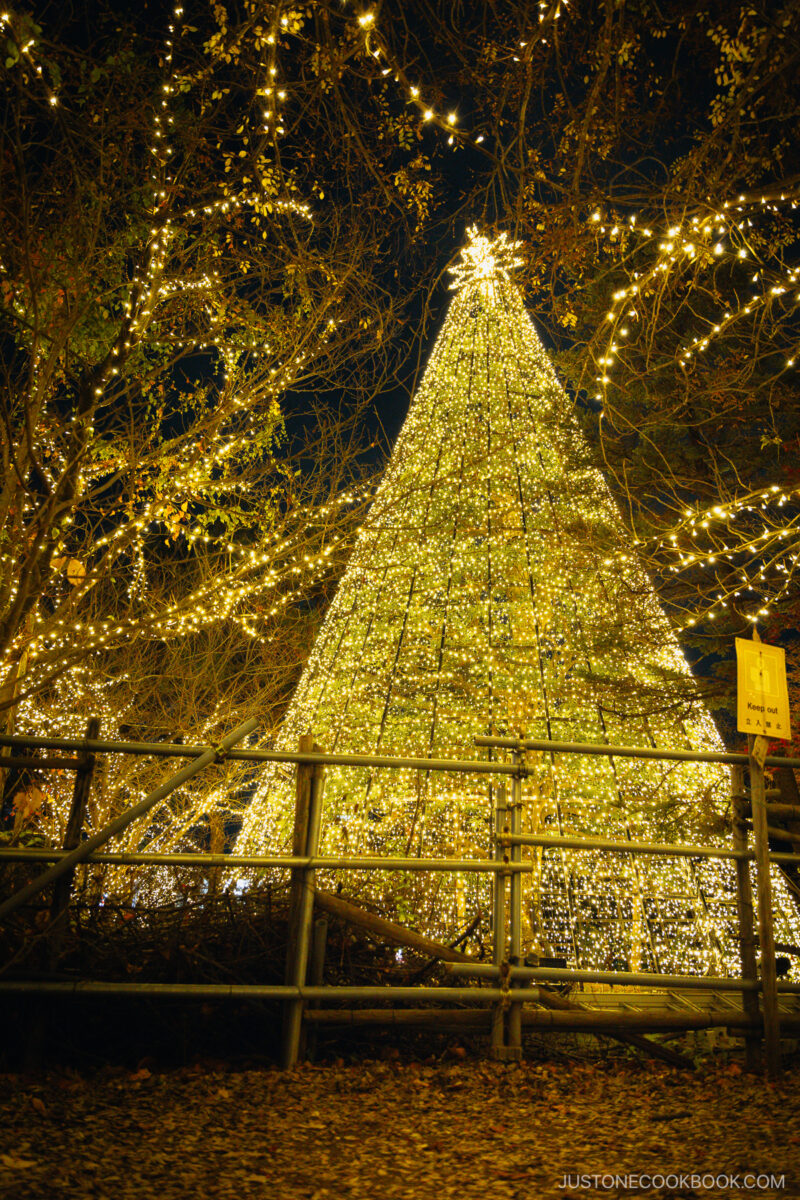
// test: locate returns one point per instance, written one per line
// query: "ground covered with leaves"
(374, 1129)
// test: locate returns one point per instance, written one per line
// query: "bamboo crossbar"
(252, 991)
(14, 762)
(322, 862)
(177, 750)
(712, 756)
(589, 843)
(543, 1020)
(474, 1018)
(310, 758)
(586, 1021)
(372, 863)
(709, 983)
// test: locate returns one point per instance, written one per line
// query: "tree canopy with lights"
(179, 248)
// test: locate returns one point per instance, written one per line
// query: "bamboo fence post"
(769, 997)
(744, 903)
(302, 800)
(77, 814)
(316, 973)
(515, 905)
(59, 905)
(304, 912)
(499, 918)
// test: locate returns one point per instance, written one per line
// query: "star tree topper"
(485, 261)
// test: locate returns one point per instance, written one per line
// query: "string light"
(171, 489)
(376, 48)
(697, 240)
(698, 243)
(19, 31)
(476, 601)
(119, 781)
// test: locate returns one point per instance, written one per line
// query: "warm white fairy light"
(766, 558)
(377, 48)
(750, 545)
(485, 262)
(278, 556)
(477, 600)
(703, 238)
(119, 781)
(22, 35)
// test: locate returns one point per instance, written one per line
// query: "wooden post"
(62, 887)
(308, 814)
(744, 904)
(302, 798)
(499, 920)
(316, 972)
(514, 1047)
(769, 998)
(59, 905)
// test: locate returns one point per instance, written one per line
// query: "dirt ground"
(371, 1130)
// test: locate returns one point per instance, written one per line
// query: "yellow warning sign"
(763, 698)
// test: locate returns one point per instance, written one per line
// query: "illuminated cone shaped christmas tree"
(489, 592)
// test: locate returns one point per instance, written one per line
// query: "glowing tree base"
(489, 592)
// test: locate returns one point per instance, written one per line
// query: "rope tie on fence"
(505, 988)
